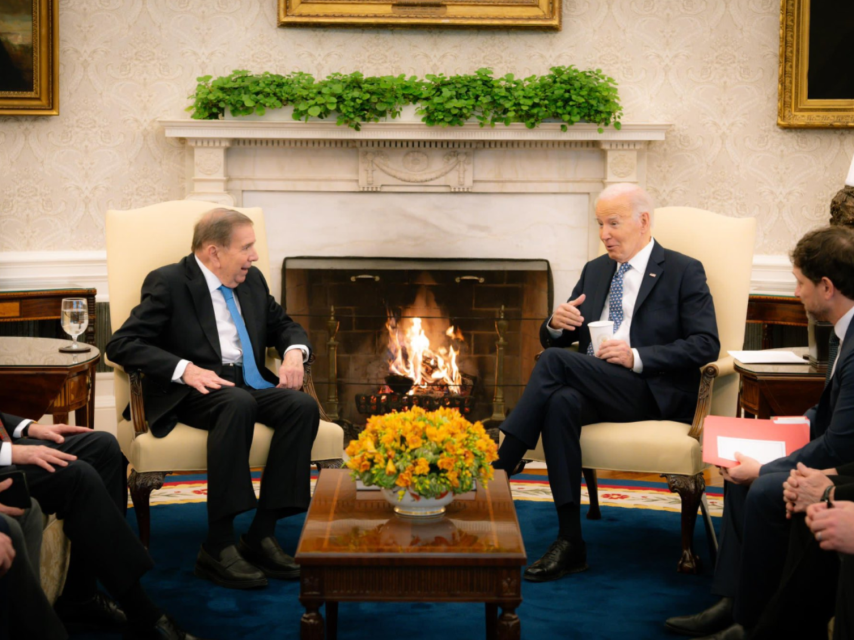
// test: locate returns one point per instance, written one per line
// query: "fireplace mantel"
(401, 156)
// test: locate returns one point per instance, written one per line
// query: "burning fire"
(410, 356)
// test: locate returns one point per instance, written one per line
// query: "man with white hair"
(664, 331)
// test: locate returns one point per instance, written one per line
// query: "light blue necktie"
(251, 375)
(615, 301)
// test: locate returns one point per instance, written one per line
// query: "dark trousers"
(88, 495)
(229, 416)
(808, 586)
(566, 391)
(753, 543)
(843, 628)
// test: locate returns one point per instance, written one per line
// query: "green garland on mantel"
(565, 94)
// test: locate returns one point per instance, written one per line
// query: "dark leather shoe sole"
(555, 576)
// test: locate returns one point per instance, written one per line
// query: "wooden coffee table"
(354, 548)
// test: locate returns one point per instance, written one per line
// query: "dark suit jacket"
(673, 325)
(175, 321)
(831, 420)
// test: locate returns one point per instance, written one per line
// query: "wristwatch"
(25, 431)
(826, 495)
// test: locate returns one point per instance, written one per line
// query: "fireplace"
(391, 333)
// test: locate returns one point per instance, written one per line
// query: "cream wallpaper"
(709, 67)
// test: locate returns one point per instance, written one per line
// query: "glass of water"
(75, 319)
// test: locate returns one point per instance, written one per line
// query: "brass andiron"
(498, 409)
(332, 349)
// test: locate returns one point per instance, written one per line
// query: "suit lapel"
(201, 296)
(601, 289)
(654, 269)
(827, 402)
(247, 310)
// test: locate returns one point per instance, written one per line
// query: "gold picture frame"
(29, 58)
(798, 106)
(498, 14)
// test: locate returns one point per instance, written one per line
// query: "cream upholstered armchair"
(139, 241)
(725, 247)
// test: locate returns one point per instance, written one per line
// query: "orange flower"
(390, 470)
(422, 467)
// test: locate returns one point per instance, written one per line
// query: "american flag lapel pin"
(651, 275)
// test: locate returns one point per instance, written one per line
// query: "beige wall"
(709, 67)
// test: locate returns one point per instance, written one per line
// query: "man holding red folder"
(755, 529)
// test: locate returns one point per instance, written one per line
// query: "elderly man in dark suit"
(199, 335)
(755, 529)
(78, 474)
(664, 331)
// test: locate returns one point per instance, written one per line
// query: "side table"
(778, 389)
(36, 379)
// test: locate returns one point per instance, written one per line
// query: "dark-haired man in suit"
(664, 331)
(200, 335)
(755, 529)
(78, 474)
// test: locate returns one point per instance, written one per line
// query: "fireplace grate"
(377, 404)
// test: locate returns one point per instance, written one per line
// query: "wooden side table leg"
(311, 624)
(331, 620)
(491, 620)
(509, 627)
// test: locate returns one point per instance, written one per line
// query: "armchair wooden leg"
(141, 485)
(690, 489)
(593, 512)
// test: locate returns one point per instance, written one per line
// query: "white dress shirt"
(6, 452)
(631, 287)
(229, 340)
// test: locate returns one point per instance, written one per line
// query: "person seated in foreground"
(664, 331)
(78, 474)
(818, 576)
(755, 529)
(199, 336)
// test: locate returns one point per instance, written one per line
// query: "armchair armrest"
(137, 406)
(710, 372)
(112, 364)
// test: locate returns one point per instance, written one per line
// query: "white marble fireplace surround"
(407, 190)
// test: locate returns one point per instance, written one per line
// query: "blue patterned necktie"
(251, 375)
(615, 301)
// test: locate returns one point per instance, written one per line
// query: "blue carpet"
(631, 587)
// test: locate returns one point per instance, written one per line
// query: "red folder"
(794, 435)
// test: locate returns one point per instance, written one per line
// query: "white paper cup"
(600, 332)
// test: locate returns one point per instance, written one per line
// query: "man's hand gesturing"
(567, 316)
(203, 379)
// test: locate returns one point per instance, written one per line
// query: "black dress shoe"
(270, 558)
(164, 629)
(733, 632)
(230, 570)
(716, 618)
(561, 559)
(99, 613)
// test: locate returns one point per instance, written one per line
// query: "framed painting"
(497, 14)
(29, 57)
(816, 86)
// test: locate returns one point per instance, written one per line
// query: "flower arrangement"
(426, 453)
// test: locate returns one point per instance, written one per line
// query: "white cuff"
(302, 348)
(555, 333)
(637, 367)
(5, 454)
(20, 429)
(179, 371)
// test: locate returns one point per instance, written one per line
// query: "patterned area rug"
(618, 493)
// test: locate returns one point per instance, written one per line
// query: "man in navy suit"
(755, 529)
(664, 331)
(199, 336)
